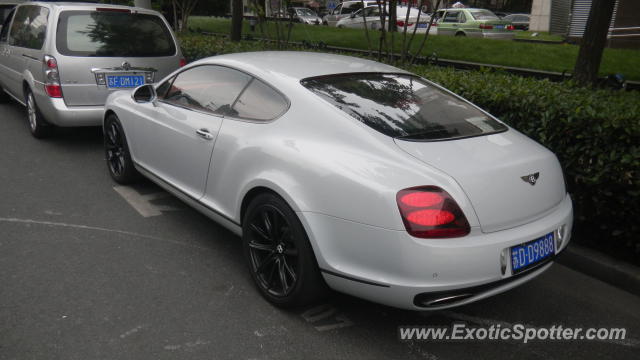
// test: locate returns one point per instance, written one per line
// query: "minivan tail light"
(510, 27)
(430, 212)
(54, 91)
(486, 27)
(51, 77)
(401, 23)
(183, 62)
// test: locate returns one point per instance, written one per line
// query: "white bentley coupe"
(344, 173)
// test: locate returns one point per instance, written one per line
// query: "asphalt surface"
(84, 275)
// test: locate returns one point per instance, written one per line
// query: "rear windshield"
(113, 34)
(483, 15)
(403, 106)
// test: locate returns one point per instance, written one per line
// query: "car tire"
(38, 126)
(279, 254)
(461, 34)
(117, 155)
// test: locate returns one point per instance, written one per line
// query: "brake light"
(183, 62)
(486, 27)
(401, 23)
(430, 212)
(51, 77)
(54, 91)
(510, 27)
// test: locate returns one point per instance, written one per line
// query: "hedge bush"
(594, 133)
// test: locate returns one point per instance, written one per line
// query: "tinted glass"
(259, 102)
(29, 27)
(5, 10)
(162, 89)
(113, 34)
(483, 15)
(403, 106)
(5, 27)
(207, 88)
(371, 11)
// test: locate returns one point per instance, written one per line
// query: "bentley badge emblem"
(531, 178)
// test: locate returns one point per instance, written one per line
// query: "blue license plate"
(422, 26)
(529, 254)
(499, 27)
(125, 81)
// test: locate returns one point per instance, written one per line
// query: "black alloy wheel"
(279, 254)
(119, 161)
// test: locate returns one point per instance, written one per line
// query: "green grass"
(498, 52)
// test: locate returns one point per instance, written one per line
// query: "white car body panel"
(341, 177)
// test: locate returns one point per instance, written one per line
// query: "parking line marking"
(95, 228)
(142, 203)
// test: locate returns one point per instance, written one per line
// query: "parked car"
(305, 16)
(346, 172)
(62, 60)
(372, 16)
(501, 14)
(344, 9)
(473, 23)
(519, 21)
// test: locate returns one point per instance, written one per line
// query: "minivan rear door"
(110, 49)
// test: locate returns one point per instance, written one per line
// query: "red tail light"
(183, 62)
(401, 23)
(510, 27)
(51, 77)
(54, 91)
(486, 27)
(430, 212)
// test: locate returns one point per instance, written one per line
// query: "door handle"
(204, 133)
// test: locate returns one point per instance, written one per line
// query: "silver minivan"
(62, 60)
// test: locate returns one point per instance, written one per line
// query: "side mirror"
(353, 15)
(144, 94)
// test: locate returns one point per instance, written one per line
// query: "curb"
(602, 267)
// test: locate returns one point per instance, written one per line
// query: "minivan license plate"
(529, 254)
(125, 81)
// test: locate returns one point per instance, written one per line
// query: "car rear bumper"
(393, 268)
(58, 113)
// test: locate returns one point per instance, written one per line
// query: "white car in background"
(371, 15)
(344, 10)
(349, 173)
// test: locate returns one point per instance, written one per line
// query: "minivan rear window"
(403, 106)
(113, 34)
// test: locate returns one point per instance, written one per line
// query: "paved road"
(83, 275)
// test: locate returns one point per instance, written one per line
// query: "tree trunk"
(593, 42)
(393, 15)
(236, 20)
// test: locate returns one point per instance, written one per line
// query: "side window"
(5, 27)
(259, 102)
(29, 27)
(207, 88)
(161, 90)
(451, 17)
